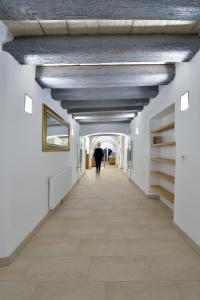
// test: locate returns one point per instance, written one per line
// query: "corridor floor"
(106, 241)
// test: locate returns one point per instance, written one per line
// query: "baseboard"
(5, 261)
(184, 235)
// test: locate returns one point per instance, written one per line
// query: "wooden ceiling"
(103, 71)
(77, 27)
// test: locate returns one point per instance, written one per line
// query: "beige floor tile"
(105, 230)
(80, 221)
(70, 291)
(166, 233)
(129, 232)
(51, 248)
(50, 228)
(121, 220)
(158, 247)
(47, 269)
(50, 236)
(88, 231)
(175, 267)
(155, 223)
(73, 213)
(141, 291)
(124, 206)
(189, 290)
(10, 290)
(107, 213)
(119, 269)
(100, 206)
(103, 247)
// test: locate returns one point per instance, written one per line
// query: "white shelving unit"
(162, 165)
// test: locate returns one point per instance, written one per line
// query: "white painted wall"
(24, 168)
(187, 189)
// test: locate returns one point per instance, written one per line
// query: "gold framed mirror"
(55, 132)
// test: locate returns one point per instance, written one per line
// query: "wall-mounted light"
(137, 130)
(72, 131)
(185, 101)
(28, 105)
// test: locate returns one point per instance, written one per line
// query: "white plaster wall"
(187, 188)
(24, 167)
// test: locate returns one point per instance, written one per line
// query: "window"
(28, 106)
(185, 101)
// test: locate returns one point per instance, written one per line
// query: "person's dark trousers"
(98, 166)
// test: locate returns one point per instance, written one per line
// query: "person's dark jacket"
(98, 154)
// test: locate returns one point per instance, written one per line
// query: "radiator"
(59, 186)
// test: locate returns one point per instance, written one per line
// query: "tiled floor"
(105, 242)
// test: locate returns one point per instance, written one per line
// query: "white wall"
(187, 189)
(24, 168)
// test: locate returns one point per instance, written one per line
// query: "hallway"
(106, 241)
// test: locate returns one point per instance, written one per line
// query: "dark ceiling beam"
(112, 9)
(107, 118)
(116, 93)
(123, 112)
(103, 103)
(104, 109)
(110, 121)
(83, 122)
(103, 49)
(104, 76)
(115, 114)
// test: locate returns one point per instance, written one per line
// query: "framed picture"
(55, 132)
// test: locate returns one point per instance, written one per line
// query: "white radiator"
(59, 186)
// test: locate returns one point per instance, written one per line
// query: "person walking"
(98, 155)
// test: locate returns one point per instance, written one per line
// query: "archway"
(115, 141)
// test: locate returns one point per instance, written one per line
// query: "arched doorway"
(115, 146)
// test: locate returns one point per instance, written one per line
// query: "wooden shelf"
(164, 128)
(163, 192)
(163, 176)
(172, 143)
(162, 160)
